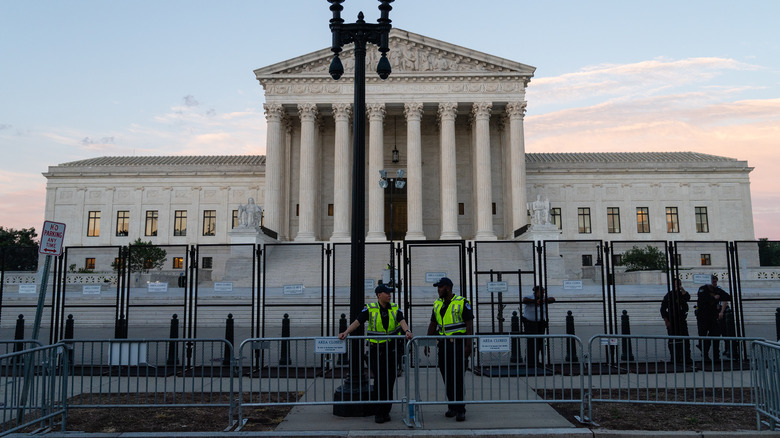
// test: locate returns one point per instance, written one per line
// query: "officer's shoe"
(450, 413)
(461, 416)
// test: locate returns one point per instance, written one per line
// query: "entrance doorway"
(395, 216)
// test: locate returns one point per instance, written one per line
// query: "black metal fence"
(248, 291)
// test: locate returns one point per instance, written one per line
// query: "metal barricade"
(765, 362)
(496, 371)
(145, 373)
(668, 370)
(316, 371)
(13, 346)
(34, 388)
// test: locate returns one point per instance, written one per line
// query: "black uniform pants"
(535, 346)
(679, 349)
(452, 366)
(381, 357)
(710, 326)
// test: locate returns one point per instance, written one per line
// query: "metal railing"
(143, 373)
(765, 362)
(496, 373)
(668, 370)
(34, 388)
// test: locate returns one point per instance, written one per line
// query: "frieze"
(405, 57)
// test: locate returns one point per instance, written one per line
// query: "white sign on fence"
(494, 344)
(702, 278)
(331, 345)
(609, 341)
(368, 284)
(90, 289)
(157, 287)
(572, 284)
(497, 286)
(51, 238)
(434, 277)
(223, 286)
(27, 289)
(293, 289)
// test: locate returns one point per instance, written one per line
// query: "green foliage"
(143, 257)
(18, 249)
(768, 252)
(648, 258)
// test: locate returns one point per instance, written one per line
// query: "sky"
(87, 78)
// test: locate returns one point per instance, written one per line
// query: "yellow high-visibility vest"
(452, 323)
(375, 326)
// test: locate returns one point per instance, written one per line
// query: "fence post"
(69, 332)
(343, 358)
(571, 350)
(284, 353)
(514, 327)
(731, 347)
(625, 328)
(19, 333)
(229, 324)
(777, 323)
(174, 334)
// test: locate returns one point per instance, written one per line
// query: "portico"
(458, 106)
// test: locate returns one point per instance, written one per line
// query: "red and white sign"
(51, 238)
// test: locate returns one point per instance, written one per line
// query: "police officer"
(711, 304)
(384, 319)
(452, 317)
(674, 311)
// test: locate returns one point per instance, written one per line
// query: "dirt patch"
(664, 417)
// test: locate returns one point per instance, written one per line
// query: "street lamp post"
(355, 387)
(392, 183)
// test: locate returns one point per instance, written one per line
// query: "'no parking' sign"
(51, 238)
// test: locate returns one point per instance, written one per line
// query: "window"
(494, 208)
(330, 209)
(678, 259)
(207, 263)
(151, 223)
(93, 224)
(706, 260)
(642, 220)
(209, 222)
(180, 223)
(613, 219)
(461, 209)
(555, 217)
(702, 224)
(672, 222)
(89, 263)
(587, 260)
(583, 219)
(617, 259)
(234, 221)
(122, 223)
(178, 262)
(297, 209)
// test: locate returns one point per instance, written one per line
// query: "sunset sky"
(88, 78)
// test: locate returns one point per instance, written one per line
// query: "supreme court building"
(449, 117)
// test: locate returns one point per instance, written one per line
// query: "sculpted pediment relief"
(409, 53)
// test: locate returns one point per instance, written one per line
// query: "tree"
(18, 249)
(648, 258)
(143, 256)
(768, 252)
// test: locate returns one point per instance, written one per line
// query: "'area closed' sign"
(51, 238)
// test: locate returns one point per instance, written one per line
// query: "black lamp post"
(360, 33)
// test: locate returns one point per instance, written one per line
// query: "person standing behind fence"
(711, 304)
(384, 319)
(535, 323)
(452, 317)
(674, 311)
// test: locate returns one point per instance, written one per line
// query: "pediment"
(410, 54)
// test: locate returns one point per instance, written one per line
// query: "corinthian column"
(516, 112)
(273, 166)
(308, 187)
(413, 113)
(484, 186)
(342, 180)
(376, 194)
(449, 180)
